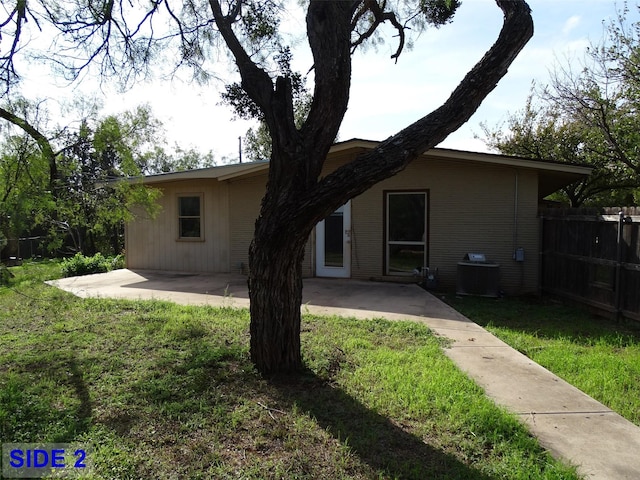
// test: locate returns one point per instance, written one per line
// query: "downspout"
(515, 216)
(518, 253)
(312, 255)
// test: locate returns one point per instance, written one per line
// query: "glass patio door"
(333, 244)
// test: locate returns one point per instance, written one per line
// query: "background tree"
(257, 141)
(117, 37)
(28, 169)
(57, 182)
(24, 192)
(92, 209)
(160, 160)
(76, 201)
(257, 145)
(589, 116)
(541, 132)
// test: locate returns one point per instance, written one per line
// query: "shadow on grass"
(82, 392)
(28, 403)
(376, 440)
(219, 380)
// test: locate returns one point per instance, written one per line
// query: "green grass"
(166, 391)
(599, 356)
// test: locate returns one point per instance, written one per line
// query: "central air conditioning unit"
(478, 276)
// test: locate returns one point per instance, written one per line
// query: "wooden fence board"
(582, 259)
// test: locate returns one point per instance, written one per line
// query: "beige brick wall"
(245, 196)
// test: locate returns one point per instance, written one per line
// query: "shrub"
(117, 262)
(5, 275)
(80, 265)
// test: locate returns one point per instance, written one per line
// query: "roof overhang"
(551, 175)
(220, 173)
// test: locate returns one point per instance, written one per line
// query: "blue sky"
(387, 96)
(424, 77)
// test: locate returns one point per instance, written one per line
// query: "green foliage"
(80, 265)
(5, 275)
(257, 141)
(260, 20)
(245, 108)
(85, 204)
(25, 196)
(34, 272)
(439, 12)
(179, 160)
(542, 132)
(587, 117)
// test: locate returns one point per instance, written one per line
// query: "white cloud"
(572, 23)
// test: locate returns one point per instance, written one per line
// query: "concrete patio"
(569, 423)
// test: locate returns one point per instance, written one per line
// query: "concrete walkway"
(569, 423)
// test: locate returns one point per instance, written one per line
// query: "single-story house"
(444, 205)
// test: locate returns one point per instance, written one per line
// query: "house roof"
(221, 172)
(552, 175)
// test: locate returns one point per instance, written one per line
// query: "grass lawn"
(166, 391)
(599, 356)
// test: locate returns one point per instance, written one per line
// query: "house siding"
(245, 196)
(471, 208)
(154, 244)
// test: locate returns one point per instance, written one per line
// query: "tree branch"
(18, 16)
(40, 139)
(255, 81)
(329, 33)
(611, 139)
(380, 16)
(395, 153)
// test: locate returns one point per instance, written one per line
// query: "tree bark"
(275, 291)
(284, 225)
(296, 199)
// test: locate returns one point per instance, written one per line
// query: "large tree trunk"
(296, 199)
(275, 292)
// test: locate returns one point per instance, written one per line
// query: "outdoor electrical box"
(518, 256)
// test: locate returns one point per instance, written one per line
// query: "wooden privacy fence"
(27, 247)
(593, 257)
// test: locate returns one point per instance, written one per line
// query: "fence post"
(618, 284)
(541, 255)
